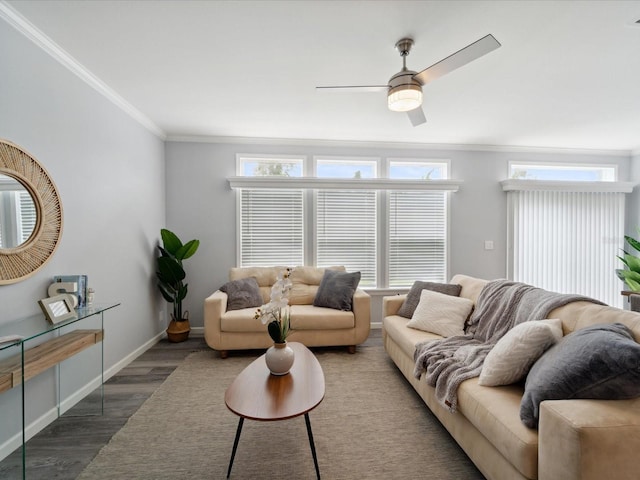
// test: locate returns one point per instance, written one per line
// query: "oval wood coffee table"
(257, 395)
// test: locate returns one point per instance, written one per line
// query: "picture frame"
(57, 308)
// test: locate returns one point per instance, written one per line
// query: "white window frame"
(605, 169)
(385, 198)
(373, 162)
(240, 162)
(382, 184)
(516, 186)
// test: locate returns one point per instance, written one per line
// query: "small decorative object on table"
(280, 356)
(62, 282)
(57, 308)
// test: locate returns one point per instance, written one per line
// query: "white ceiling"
(567, 74)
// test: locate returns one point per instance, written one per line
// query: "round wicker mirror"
(30, 254)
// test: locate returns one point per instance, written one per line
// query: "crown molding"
(30, 31)
(394, 145)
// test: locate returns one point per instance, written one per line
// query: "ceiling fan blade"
(417, 116)
(354, 89)
(456, 60)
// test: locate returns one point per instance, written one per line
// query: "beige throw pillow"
(512, 357)
(441, 314)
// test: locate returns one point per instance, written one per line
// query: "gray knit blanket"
(501, 305)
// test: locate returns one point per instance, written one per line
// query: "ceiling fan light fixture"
(403, 98)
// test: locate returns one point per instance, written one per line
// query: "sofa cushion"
(597, 362)
(440, 313)
(308, 317)
(413, 297)
(511, 358)
(242, 293)
(305, 282)
(336, 290)
(407, 338)
(243, 320)
(265, 276)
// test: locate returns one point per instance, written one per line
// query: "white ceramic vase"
(279, 358)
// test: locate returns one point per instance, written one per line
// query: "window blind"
(417, 237)
(27, 215)
(346, 231)
(271, 227)
(567, 241)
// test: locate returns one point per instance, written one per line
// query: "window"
(417, 226)
(565, 237)
(346, 220)
(572, 172)
(271, 220)
(17, 213)
(386, 218)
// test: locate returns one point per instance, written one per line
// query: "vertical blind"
(271, 227)
(568, 241)
(346, 231)
(417, 237)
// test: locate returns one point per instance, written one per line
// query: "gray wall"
(201, 205)
(110, 174)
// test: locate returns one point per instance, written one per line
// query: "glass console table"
(43, 345)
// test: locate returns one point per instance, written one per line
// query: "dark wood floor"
(63, 449)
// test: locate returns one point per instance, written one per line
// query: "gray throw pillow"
(413, 297)
(599, 362)
(336, 290)
(242, 293)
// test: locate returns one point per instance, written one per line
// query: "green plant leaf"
(622, 260)
(274, 331)
(168, 293)
(188, 249)
(633, 242)
(170, 271)
(171, 241)
(632, 262)
(627, 275)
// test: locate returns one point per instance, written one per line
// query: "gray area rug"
(370, 425)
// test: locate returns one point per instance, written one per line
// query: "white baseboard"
(51, 415)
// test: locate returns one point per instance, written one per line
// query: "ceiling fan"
(404, 90)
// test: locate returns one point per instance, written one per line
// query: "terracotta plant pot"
(178, 331)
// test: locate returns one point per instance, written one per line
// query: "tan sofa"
(576, 439)
(313, 326)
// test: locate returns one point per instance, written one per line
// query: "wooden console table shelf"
(44, 356)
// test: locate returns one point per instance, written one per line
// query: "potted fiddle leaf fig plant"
(171, 276)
